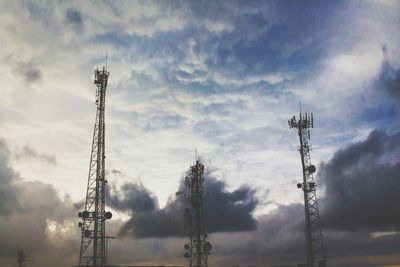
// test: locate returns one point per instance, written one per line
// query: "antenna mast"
(93, 239)
(199, 248)
(106, 59)
(315, 245)
(22, 259)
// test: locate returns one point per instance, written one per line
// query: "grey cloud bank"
(26, 209)
(361, 183)
(225, 211)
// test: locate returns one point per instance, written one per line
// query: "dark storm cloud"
(164, 222)
(147, 220)
(281, 233)
(74, 18)
(225, 211)
(362, 182)
(229, 211)
(132, 197)
(361, 195)
(28, 152)
(389, 80)
(8, 192)
(25, 208)
(280, 239)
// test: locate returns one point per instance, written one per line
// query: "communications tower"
(198, 248)
(93, 238)
(22, 259)
(315, 245)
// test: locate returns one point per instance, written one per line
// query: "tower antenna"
(300, 106)
(315, 245)
(93, 250)
(106, 59)
(198, 248)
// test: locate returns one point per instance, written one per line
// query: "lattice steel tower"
(199, 248)
(22, 259)
(93, 242)
(315, 245)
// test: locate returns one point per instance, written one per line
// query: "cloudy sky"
(220, 76)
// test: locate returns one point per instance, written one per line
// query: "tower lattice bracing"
(93, 242)
(22, 259)
(315, 245)
(199, 248)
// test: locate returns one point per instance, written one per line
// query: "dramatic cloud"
(225, 211)
(31, 214)
(360, 180)
(361, 184)
(133, 197)
(280, 239)
(222, 76)
(8, 192)
(229, 211)
(358, 212)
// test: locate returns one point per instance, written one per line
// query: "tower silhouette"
(315, 245)
(198, 248)
(93, 232)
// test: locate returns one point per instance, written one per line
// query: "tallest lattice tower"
(93, 239)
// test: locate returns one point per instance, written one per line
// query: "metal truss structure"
(199, 248)
(22, 259)
(93, 238)
(315, 245)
